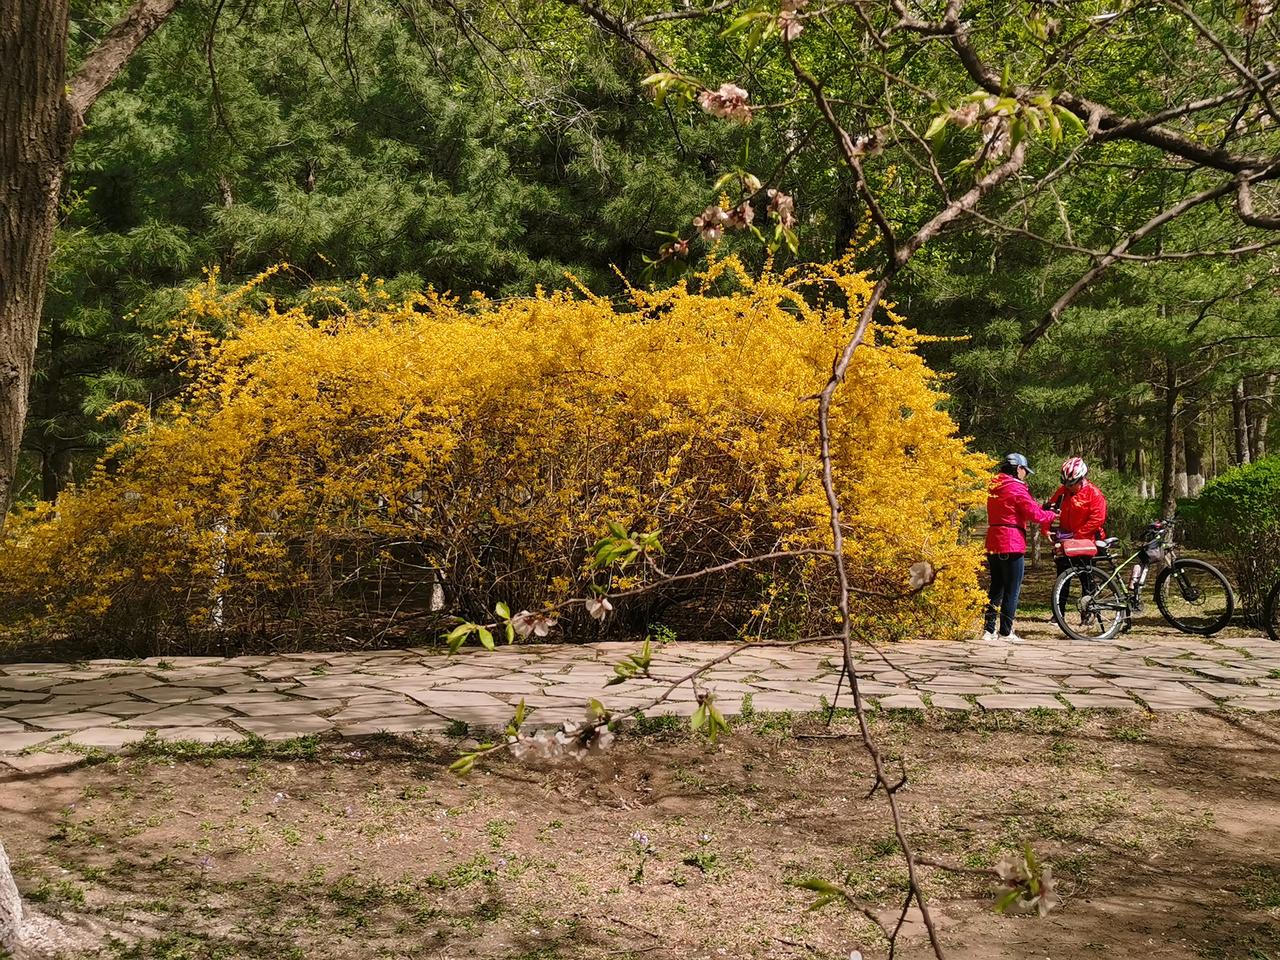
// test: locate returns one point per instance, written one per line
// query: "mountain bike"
(1271, 613)
(1194, 596)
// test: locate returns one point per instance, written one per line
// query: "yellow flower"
(490, 442)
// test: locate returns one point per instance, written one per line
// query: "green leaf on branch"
(464, 764)
(699, 719)
(746, 21)
(1007, 900)
(827, 892)
(522, 711)
(637, 664)
(1070, 119)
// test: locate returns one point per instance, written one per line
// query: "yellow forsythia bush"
(333, 466)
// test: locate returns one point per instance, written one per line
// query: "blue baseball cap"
(1017, 460)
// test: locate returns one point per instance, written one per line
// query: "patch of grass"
(658, 726)
(1258, 945)
(498, 830)
(704, 860)
(185, 946)
(457, 728)
(1128, 734)
(1262, 889)
(1062, 752)
(251, 748)
(479, 869)
(58, 891)
(773, 723)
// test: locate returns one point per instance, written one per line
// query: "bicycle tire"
(1116, 604)
(1271, 613)
(1205, 624)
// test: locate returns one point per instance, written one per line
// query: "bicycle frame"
(1168, 556)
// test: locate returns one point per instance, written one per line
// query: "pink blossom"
(528, 624)
(600, 607)
(782, 207)
(728, 103)
(995, 136)
(965, 116)
(789, 25)
(740, 217)
(711, 223)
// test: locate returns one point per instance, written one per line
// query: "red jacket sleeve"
(1058, 496)
(1031, 512)
(1097, 515)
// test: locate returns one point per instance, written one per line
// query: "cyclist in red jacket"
(1083, 512)
(1010, 507)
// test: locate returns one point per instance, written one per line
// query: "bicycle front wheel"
(1195, 597)
(1271, 613)
(1095, 608)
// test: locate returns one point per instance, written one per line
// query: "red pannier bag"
(1076, 548)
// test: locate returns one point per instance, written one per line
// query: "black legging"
(1006, 584)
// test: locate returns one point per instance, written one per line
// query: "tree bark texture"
(1240, 423)
(1261, 398)
(41, 114)
(1193, 449)
(33, 149)
(1169, 451)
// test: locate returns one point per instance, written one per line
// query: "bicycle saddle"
(1107, 543)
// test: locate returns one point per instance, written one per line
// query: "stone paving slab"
(112, 704)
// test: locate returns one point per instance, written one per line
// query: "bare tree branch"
(1245, 73)
(1159, 220)
(1244, 206)
(108, 58)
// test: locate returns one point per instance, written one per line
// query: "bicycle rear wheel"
(1096, 609)
(1271, 613)
(1195, 597)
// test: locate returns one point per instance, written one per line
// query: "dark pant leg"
(995, 592)
(1015, 567)
(1063, 563)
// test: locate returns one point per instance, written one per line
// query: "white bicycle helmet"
(1074, 469)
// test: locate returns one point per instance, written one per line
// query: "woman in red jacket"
(1083, 511)
(1010, 507)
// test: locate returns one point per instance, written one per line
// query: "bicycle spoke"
(1195, 597)
(1095, 608)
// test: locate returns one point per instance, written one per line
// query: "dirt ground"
(1164, 832)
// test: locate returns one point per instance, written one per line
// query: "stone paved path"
(109, 704)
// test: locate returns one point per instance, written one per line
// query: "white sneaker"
(1012, 638)
(989, 636)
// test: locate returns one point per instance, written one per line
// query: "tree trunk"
(1169, 450)
(1180, 465)
(1193, 449)
(37, 136)
(1259, 415)
(41, 114)
(1213, 445)
(1240, 420)
(55, 472)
